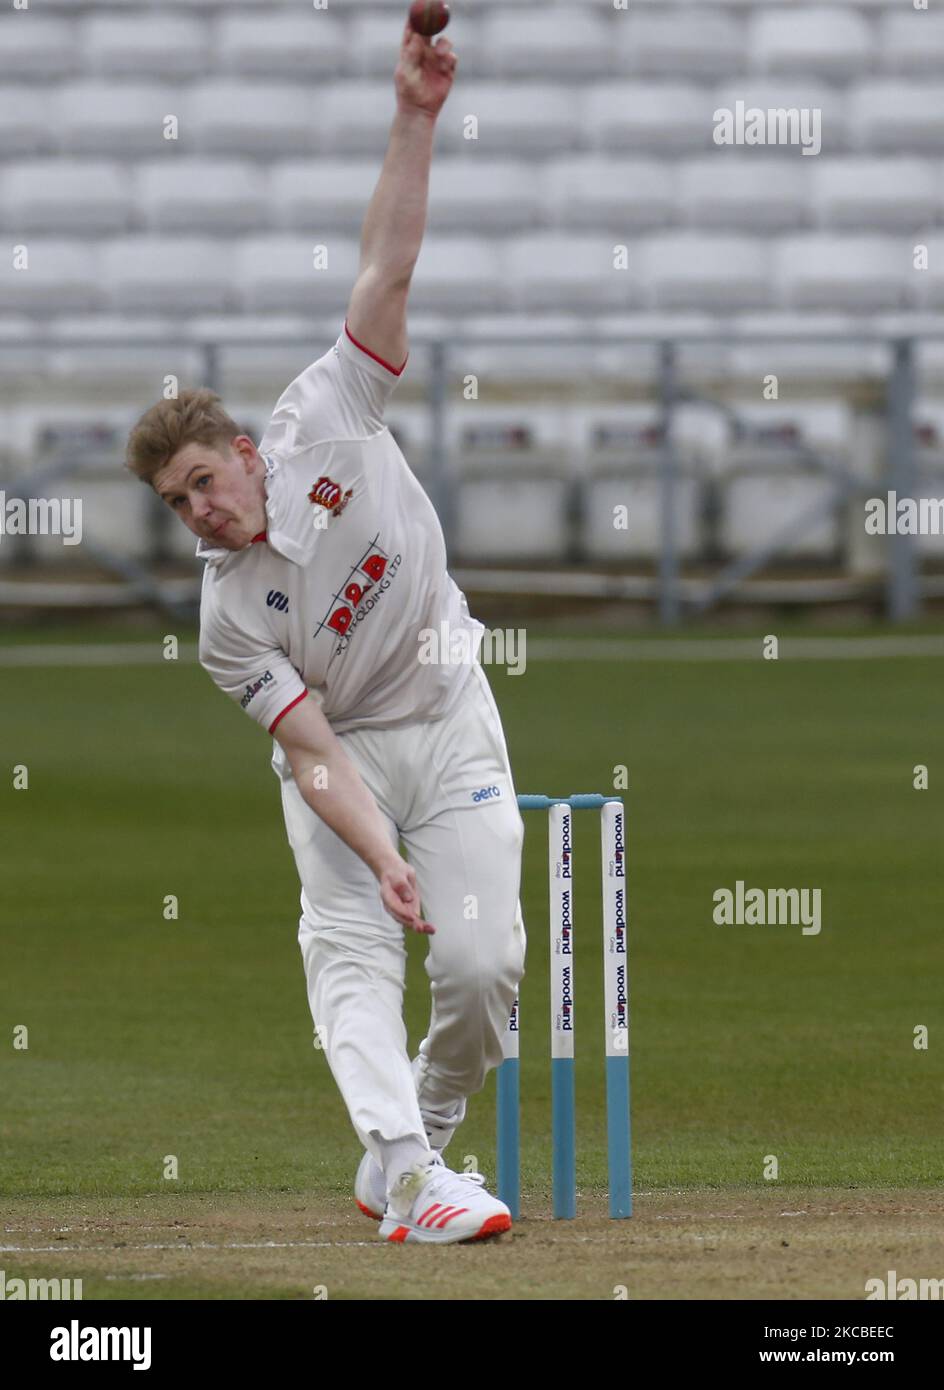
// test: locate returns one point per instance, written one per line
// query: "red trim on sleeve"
(396, 370)
(297, 701)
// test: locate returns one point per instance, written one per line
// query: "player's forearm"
(392, 234)
(335, 791)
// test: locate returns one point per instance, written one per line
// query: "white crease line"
(191, 1245)
(100, 654)
(734, 649)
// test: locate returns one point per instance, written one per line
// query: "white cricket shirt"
(332, 597)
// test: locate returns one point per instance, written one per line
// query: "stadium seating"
(174, 170)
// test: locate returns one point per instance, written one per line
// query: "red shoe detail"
(431, 1212)
(400, 1234)
(494, 1226)
(372, 1214)
(442, 1221)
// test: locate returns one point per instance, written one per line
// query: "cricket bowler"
(324, 564)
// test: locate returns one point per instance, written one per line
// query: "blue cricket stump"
(616, 1010)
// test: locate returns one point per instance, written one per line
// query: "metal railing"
(675, 595)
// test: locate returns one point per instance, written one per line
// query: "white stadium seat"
(139, 369)
(556, 272)
(931, 486)
(819, 424)
(37, 46)
(612, 361)
(743, 191)
(506, 361)
(898, 116)
(124, 119)
(533, 523)
(277, 120)
(282, 45)
(856, 273)
(29, 125)
(477, 194)
(277, 274)
(370, 42)
(811, 42)
(466, 33)
(202, 195)
(553, 40)
(679, 44)
(879, 193)
(142, 45)
(911, 42)
(638, 488)
(326, 193)
(604, 432)
(200, 5)
(648, 116)
(840, 4)
(170, 275)
(265, 351)
(809, 358)
(115, 513)
(930, 282)
(46, 195)
(506, 518)
(593, 191)
(720, 273)
(63, 276)
(456, 275)
(512, 118)
(23, 364)
(514, 485)
(758, 500)
(523, 439)
(354, 117)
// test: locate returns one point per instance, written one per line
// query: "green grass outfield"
(193, 1038)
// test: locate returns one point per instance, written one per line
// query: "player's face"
(218, 496)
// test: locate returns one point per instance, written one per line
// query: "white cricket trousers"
(445, 788)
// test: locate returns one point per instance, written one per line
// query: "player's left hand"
(401, 898)
(424, 73)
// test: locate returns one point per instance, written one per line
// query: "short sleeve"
(342, 395)
(368, 380)
(261, 679)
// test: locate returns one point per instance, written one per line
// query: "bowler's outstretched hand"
(424, 73)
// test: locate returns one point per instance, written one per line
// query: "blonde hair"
(195, 417)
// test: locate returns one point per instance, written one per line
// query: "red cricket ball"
(429, 17)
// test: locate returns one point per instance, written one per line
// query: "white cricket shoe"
(370, 1188)
(432, 1203)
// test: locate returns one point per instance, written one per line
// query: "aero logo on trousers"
(487, 794)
